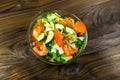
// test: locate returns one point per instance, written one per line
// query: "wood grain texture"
(99, 61)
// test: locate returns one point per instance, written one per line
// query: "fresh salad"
(57, 38)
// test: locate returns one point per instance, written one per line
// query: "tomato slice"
(37, 30)
(69, 22)
(80, 27)
(69, 51)
(40, 49)
(58, 37)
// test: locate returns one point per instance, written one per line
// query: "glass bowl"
(62, 13)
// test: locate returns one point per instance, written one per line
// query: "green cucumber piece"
(70, 31)
(72, 34)
(49, 37)
(41, 37)
(59, 26)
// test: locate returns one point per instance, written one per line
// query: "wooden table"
(99, 61)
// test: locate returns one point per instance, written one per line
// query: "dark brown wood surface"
(99, 61)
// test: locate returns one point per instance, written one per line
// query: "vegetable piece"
(52, 25)
(58, 37)
(71, 34)
(38, 44)
(48, 29)
(78, 43)
(62, 22)
(53, 17)
(49, 37)
(69, 51)
(43, 20)
(47, 57)
(81, 38)
(54, 56)
(41, 37)
(80, 28)
(51, 60)
(40, 50)
(69, 22)
(58, 59)
(56, 48)
(51, 43)
(40, 25)
(59, 26)
(70, 31)
(34, 33)
(37, 30)
(66, 58)
(47, 25)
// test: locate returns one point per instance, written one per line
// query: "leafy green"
(54, 56)
(43, 20)
(58, 59)
(47, 57)
(51, 43)
(78, 43)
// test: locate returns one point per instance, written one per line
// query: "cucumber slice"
(41, 37)
(49, 37)
(72, 34)
(70, 31)
(59, 26)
